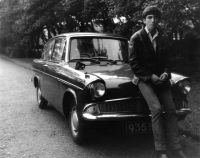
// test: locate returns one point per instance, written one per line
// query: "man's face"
(98, 27)
(151, 22)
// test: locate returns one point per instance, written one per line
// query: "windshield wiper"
(101, 58)
(96, 60)
(85, 59)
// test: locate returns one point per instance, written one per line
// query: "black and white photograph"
(99, 78)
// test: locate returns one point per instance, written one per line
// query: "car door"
(44, 74)
(54, 68)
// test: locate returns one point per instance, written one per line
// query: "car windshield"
(98, 48)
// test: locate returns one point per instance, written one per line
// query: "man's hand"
(164, 76)
(156, 80)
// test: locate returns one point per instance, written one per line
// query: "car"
(87, 77)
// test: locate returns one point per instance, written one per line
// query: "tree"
(9, 15)
(27, 28)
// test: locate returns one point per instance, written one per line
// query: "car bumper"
(102, 117)
(183, 111)
(116, 116)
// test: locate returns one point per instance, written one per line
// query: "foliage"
(29, 27)
(40, 14)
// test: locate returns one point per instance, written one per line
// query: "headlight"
(184, 86)
(97, 89)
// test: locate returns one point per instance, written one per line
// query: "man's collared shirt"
(152, 39)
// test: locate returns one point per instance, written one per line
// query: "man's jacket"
(144, 60)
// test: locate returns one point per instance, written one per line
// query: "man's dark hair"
(151, 10)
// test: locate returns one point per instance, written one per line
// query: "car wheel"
(77, 128)
(42, 103)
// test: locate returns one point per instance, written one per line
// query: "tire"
(77, 128)
(42, 103)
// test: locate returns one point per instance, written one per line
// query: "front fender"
(90, 78)
(175, 78)
(71, 92)
(36, 81)
(178, 83)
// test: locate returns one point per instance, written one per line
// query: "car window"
(112, 49)
(48, 50)
(75, 54)
(58, 51)
(91, 47)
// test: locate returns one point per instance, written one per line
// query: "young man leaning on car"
(148, 63)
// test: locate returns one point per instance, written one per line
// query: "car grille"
(124, 106)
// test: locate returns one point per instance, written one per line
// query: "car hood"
(117, 78)
(113, 75)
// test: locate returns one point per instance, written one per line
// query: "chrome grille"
(124, 106)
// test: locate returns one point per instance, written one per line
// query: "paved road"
(28, 132)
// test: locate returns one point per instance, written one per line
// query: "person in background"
(98, 26)
(148, 60)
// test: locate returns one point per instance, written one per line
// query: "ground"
(28, 132)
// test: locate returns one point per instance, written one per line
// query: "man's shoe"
(179, 154)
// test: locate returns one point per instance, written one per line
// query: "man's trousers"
(164, 120)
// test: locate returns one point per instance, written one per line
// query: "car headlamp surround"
(184, 86)
(97, 89)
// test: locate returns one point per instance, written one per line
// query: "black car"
(87, 77)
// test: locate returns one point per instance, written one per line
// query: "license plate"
(140, 127)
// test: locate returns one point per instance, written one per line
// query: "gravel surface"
(28, 132)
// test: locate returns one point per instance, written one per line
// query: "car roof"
(89, 34)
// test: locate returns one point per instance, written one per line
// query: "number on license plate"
(138, 127)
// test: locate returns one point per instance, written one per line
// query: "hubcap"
(74, 122)
(39, 95)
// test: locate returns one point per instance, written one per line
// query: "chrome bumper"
(90, 117)
(183, 111)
